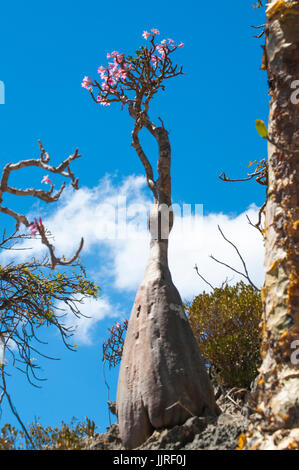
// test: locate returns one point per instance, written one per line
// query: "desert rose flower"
(46, 180)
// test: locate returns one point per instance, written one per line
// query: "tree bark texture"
(163, 379)
(278, 382)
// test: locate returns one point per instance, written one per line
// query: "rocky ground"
(197, 433)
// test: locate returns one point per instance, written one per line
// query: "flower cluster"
(153, 32)
(123, 73)
(87, 82)
(113, 75)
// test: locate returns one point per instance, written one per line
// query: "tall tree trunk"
(278, 384)
(163, 379)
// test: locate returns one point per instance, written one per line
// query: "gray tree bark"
(163, 379)
(278, 384)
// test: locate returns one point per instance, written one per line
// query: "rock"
(110, 440)
(197, 433)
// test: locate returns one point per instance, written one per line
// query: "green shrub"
(226, 326)
(73, 436)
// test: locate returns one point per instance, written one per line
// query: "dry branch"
(42, 162)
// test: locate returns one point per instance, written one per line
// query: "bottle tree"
(278, 382)
(163, 379)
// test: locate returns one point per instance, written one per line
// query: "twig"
(54, 259)
(246, 275)
(260, 173)
(108, 391)
(178, 403)
(258, 224)
(196, 269)
(14, 411)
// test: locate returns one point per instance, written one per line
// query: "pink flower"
(155, 31)
(155, 59)
(102, 101)
(46, 180)
(146, 34)
(119, 58)
(161, 48)
(181, 44)
(101, 69)
(112, 54)
(33, 228)
(86, 83)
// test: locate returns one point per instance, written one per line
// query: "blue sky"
(46, 49)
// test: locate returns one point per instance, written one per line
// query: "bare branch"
(13, 409)
(260, 174)
(42, 162)
(246, 275)
(258, 224)
(196, 269)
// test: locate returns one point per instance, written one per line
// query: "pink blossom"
(112, 54)
(161, 48)
(46, 180)
(155, 31)
(119, 58)
(33, 228)
(86, 83)
(102, 101)
(155, 59)
(146, 34)
(101, 69)
(111, 81)
(181, 44)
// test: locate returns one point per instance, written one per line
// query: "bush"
(226, 326)
(73, 436)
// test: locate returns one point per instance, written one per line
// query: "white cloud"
(119, 253)
(205, 240)
(93, 311)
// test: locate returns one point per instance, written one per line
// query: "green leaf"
(261, 128)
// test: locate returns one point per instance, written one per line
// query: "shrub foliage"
(226, 326)
(73, 436)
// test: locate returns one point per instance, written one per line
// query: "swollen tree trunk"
(163, 379)
(278, 384)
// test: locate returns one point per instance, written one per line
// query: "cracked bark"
(161, 364)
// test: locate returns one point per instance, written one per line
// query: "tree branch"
(246, 275)
(42, 162)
